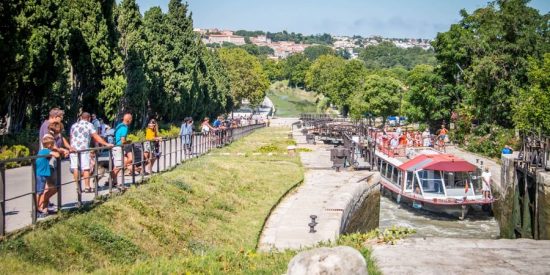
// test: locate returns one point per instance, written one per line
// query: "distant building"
(220, 38)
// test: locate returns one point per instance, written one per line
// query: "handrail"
(171, 152)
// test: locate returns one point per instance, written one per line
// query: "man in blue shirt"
(218, 122)
(121, 134)
(507, 150)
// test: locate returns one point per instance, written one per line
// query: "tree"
(336, 79)
(532, 112)
(427, 97)
(485, 55)
(315, 51)
(246, 76)
(273, 69)
(295, 68)
(379, 96)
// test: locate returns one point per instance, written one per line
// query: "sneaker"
(41, 215)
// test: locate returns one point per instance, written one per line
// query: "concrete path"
(463, 256)
(324, 193)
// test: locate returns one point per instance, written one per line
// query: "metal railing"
(535, 151)
(18, 203)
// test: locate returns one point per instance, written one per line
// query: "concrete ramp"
(463, 256)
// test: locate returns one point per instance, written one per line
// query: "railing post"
(110, 180)
(2, 199)
(157, 159)
(170, 157)
(79, 178)
(133, 168)
(33, 192)
(96, 173)
(145, 163)
(164, 149)
(58, 184)
(123, 167)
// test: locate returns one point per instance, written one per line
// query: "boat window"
(389, 171)
(383, 168)
(395, 176)
(432, 183)
(410, 177)
(455, 183)
(416, 186)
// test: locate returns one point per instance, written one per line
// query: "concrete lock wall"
(543, 205)
(359, 205)
(504, 205)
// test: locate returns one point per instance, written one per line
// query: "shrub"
(15, 151)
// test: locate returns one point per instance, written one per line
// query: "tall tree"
(486, 55)
(247, 78)
(427, 97)
(380, 96)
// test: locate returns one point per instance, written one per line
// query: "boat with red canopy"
(431, 180)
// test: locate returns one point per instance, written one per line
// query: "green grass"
(203, 217)
(291, 102)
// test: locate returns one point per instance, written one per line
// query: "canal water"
(427, 224)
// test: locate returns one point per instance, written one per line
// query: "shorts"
(117, 156)
(485, 187)
(128, 149)
(84, 160)
(41, 184)
(442, 137)
(147, 146)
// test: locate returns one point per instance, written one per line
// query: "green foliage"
(379, 96)
(15, 151)
(387, 55)
(336, 79)
(295, 68)
(96, 56)
(324, 39)
(315, 51)
(247, 78)
(532, 109)
(485, 56)
(488, 140)
(273, 69)
(427, 99)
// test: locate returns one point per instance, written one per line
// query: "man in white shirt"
(486, 183)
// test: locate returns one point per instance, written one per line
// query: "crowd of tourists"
(89, 132)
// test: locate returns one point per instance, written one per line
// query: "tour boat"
(428, 179)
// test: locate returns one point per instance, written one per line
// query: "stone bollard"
(291, 150)
(337, 260)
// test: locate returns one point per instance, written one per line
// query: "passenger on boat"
(426, 140)
(486, 183)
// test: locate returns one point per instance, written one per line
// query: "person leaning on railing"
(186, 132)
(121, 135)
(82, 134)
(44, 174)
(151, 147)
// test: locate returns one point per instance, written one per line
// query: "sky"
(387, 18)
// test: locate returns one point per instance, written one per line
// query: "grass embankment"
(203, 217)
(291, 102)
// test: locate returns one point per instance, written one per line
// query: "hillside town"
(283, 49)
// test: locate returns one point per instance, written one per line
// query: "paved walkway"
(324, 193)
(463, 256)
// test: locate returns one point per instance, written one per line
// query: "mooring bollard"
(312, 224)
